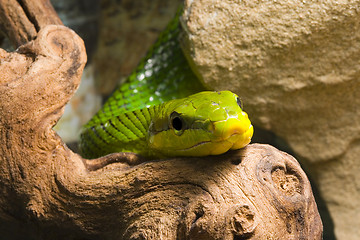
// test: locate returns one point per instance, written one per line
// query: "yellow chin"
(241, 140)
(233, 142)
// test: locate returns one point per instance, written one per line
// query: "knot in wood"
(242, 220)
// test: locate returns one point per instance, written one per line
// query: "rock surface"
(296, 64)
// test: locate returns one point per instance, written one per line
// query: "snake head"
(206, 123)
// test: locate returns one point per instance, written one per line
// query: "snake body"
(153, 115)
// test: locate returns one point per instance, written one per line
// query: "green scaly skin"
(138, 117)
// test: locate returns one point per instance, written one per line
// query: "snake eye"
(239, 102)
(176, 122)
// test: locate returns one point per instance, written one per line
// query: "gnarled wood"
(21, 20)
(48, 191)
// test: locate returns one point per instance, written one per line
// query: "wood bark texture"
(49, 192)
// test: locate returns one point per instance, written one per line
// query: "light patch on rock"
(82, 106)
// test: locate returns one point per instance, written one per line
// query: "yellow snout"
(235, 131)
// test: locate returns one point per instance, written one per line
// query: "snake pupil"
(177, 123)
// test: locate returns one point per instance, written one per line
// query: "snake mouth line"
(196, 145)
(219, 141)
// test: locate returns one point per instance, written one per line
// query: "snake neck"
(127, 132)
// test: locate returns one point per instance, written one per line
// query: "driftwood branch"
(22, 19)
(49, 192)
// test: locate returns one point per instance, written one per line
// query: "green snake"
(162, 111)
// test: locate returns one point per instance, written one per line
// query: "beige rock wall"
(296, 64)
